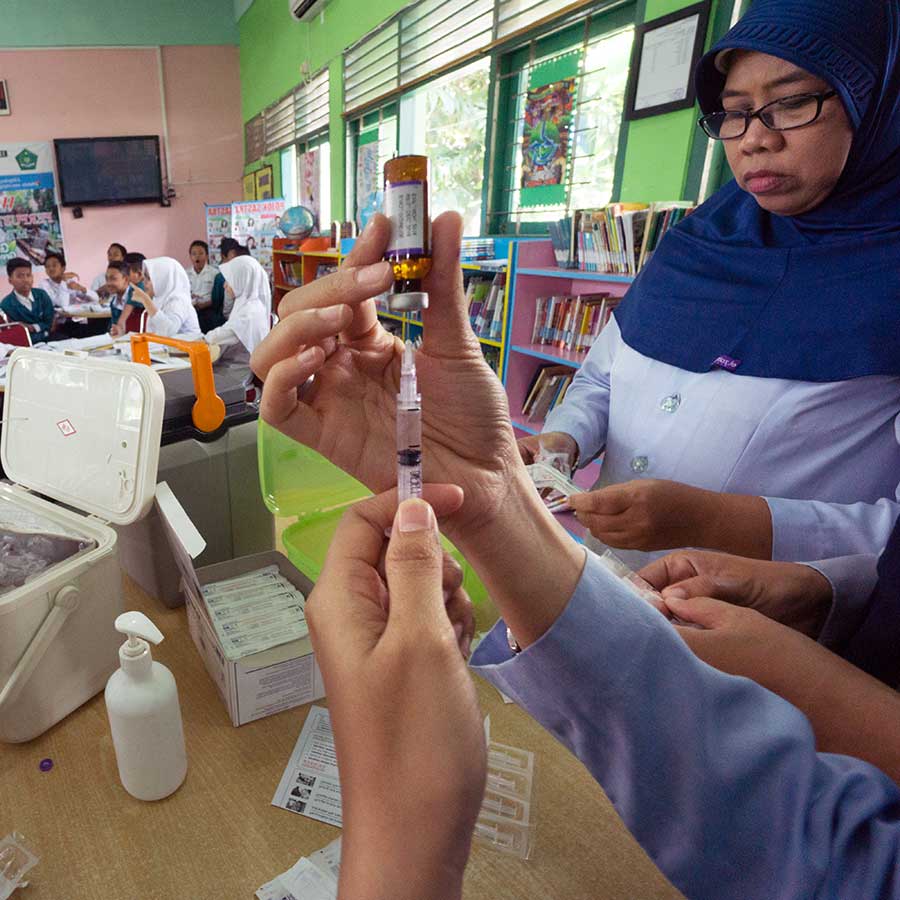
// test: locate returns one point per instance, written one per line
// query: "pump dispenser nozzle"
(139, 629)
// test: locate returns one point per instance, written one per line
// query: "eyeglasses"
(779, 115)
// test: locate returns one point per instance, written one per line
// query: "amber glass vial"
(409, 250)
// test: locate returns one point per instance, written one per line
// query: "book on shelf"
(617, 239)
(571, 322)
(484, 298)
(546, 391)
(290, 273)
(323, 269)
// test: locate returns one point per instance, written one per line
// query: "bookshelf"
(295, 263)
(533, 273)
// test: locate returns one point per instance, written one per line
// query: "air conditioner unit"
(304, 10)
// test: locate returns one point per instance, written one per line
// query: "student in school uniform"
(201, 273)
(26, 303)
(122, 304)
(248, 321)
(62, 286)
(114, 253)
(166, 296)
(741, 402)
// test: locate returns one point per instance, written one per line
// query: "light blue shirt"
(825, 456)
(717, 778)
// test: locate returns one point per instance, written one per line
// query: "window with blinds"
(311, 107)
(279, 124)
(372, 67)
(433, 35)
(298, 115)
(517, 15)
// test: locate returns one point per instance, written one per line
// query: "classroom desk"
(218, 837)
(87, 314)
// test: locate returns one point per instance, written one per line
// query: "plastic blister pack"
(552, 485)
(17, 857)
(642, 588)
(506, 820)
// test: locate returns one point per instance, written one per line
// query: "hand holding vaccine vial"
(409, 429)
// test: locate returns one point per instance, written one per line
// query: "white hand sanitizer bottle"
(144, 715)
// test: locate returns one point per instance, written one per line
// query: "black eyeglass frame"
(819, 96)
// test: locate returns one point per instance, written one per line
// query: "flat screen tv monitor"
(94, 171)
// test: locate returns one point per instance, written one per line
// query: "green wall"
(103, 23)
(662, 154)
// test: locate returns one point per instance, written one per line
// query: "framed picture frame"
(264, 183)
(5, 109)
(250, 186)
(663, 59)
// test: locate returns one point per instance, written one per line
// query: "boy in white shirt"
(62, 286)
(201, 274)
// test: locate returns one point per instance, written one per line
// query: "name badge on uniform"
(726, 362)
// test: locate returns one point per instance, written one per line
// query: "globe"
(297, 222)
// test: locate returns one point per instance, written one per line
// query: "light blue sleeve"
(852, 579)
(584, 414)
(717, 778)
(814, 529)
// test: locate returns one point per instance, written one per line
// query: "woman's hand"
(139, 295)
(407, 726)
(553, 441)
(793, 594)
(651, 514)
(348, 411)
(850, 712)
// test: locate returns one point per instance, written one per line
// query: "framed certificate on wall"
(665, 53)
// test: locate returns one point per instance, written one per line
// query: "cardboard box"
(262, 683)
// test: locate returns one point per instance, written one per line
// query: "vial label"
(404, 205)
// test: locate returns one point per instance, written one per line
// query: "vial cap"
(408, 302)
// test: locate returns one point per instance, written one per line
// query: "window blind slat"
(514, 15)
(311, 107)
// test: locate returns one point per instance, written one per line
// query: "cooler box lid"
(83, 431)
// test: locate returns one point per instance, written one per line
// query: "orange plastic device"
(208, 412)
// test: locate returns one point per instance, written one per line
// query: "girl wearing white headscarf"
(167, 298)
(248, 321)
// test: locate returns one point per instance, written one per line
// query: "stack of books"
(571, 322)
(474, 249)
(291, 273)
(617, 239)
(484, 297)
(547, 390)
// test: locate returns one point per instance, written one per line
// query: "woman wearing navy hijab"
(746, 393)
(718, 779)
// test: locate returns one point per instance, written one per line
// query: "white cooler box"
(86, 433)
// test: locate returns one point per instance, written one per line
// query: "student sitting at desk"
(248, 323)
(122, 304)
(114, 253)
(167, 297)
(26, 303)
(63, 287)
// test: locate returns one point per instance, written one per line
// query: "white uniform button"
(640, 464)
(671, 403)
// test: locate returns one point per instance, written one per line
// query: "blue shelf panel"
(578, 275)
(566, 358)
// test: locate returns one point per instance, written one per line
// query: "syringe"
(409, 429)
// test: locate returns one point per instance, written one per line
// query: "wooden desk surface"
(87, 314)
(218, 837)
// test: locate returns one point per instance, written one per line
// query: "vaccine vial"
(409, 250)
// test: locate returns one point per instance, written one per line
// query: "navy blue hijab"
(814, 297)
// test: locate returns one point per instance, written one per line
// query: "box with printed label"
(259, 684)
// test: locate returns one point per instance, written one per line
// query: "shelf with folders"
(555, 315)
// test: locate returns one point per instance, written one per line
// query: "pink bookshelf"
(534, 274)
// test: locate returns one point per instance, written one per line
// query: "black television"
(100, 171)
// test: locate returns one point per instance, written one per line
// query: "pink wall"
(106, 92)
